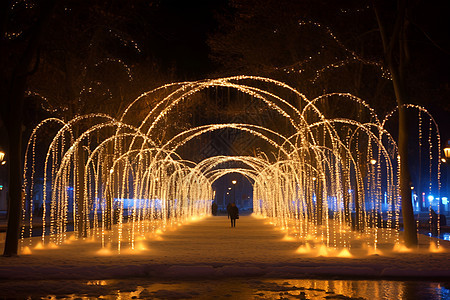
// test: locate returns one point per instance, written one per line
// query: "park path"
(209, 248)
(213, 240)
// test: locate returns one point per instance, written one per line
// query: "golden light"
(401, 248)
(345, 253)
(447, 150)
(26, 251)
(39, 246)
(304, 249)
(284, 186)
(96, 282)
(435, 248)
(288, 238)
(104, 252)
(2, 156)
(322, 251)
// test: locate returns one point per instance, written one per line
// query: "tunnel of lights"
(323, 177)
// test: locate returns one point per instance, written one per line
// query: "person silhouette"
(234, 214)
(228, 209)
(214, 208)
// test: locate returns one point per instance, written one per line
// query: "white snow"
(210, 249)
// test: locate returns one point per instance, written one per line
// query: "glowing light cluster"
(120, 181)
(351, 57)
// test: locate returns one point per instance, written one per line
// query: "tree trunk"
(13, 88)
(319, 201)
(13, 125)
(358, 219)
(81, 209)
(398, 44)
(409, 225)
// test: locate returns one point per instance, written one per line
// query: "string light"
(303, 186)
(353, 57)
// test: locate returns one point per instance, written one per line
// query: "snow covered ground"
(211, 249)
(207, 259)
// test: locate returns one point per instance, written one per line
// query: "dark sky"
(181, 30)
(178, 31)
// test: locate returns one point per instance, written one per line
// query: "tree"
(405, 27)
(396, 54)
(19, 49)
(321, 47)
(68, 56)
(92, 63)
(86, 63)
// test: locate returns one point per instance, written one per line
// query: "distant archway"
(313, 172)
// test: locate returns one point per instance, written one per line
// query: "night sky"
(180, 31)
(176, 37)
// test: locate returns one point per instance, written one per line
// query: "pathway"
(211, 249)
(214, 241)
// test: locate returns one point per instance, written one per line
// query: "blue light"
(444, 200)
(430, 198)
(446, 236)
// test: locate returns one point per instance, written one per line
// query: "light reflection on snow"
(257, 288)
(26, 251)
(434, 249)
(96, 282)
(104, 252)
(288, 238)
(345, 253)
(402, 248)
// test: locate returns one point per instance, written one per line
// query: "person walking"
(234, 214)
(214, 208)
(228, 209)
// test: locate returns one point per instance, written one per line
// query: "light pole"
(447, 161)
(234, 190)
(3, 201)
(447, 150)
